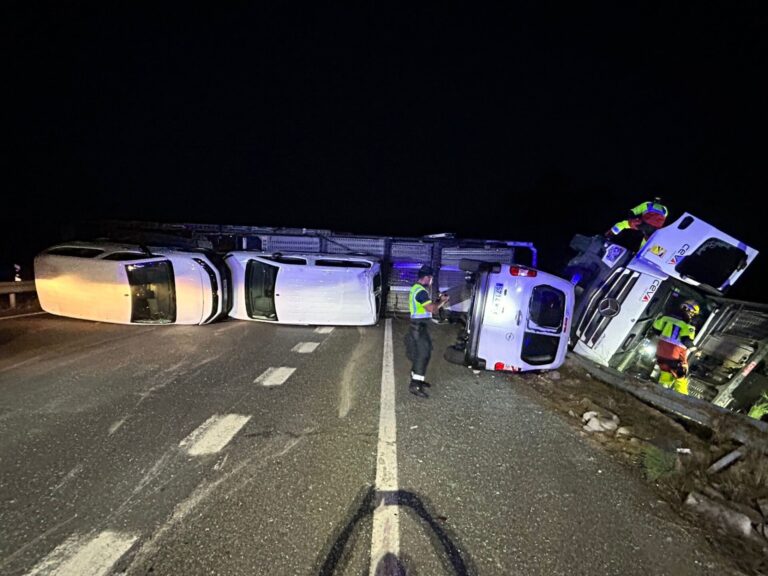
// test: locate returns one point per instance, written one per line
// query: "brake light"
(498, 366)
(521, 271)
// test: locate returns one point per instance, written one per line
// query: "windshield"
(260, 279)
(713, 263)
(153, 296)
(547, 307)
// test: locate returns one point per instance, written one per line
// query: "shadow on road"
(390, 565)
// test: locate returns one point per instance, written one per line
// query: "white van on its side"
(319, 289)
(130, 284)
(518, 319)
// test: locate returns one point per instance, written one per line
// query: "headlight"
(647, 348)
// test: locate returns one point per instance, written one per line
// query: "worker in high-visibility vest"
(760, 408)
(646, 218)
(675, 342)
(418, 343)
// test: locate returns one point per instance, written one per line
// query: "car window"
(713, 262)
(343, 263)
(286, 259)
(153, 295)
(122, 256)
(547, 307)
(539, 349)
(77, 251)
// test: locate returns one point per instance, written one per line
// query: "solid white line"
(275, 376)
(305, 347)
(386, 529)
(324, 329)
(92, 558)
(213, 434)
(23, 315)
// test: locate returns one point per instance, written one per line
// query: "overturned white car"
(131, 284)
(518, 319)
(312, 289)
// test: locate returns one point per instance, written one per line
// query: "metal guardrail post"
(13, 288)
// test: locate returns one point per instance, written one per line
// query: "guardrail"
(13, 288)
(735, 426)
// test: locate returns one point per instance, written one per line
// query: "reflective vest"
(760, 408)
(650, 207)
(417, 309)
(649, 212)
(675, 331)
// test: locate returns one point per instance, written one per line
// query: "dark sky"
(514, 123)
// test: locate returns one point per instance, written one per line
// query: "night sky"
(514, 123)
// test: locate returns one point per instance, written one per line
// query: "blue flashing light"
(576, 278)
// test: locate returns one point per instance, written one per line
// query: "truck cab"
(620, 293)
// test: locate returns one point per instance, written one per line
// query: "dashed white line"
(213, 434)
(22, 315)
(324, 329)
(275, 376)
(95, 557)
(305, 347)
(116, 425)
(386, 528)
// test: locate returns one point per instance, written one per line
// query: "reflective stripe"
(417, 309)
(674, 330)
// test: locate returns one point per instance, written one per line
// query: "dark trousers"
(418, 347)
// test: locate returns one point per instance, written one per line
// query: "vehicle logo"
(609, 307)
(679, 254)
(509, 336)
(648, 294)
(658, 250)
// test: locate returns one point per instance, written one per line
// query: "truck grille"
(593, 323)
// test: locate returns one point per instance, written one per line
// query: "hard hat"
(425, 271)
(691, 307)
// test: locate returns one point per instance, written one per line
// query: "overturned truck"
(620, 293)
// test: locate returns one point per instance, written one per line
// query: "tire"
(455, 355)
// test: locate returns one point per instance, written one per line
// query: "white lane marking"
(305, 347)
(23, 315)
(115, 426)
(324, 329)
(386, 528)
(213, 434)
(76, 557)
(275, 376)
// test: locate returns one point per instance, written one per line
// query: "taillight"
(521, 271)
(498, 366)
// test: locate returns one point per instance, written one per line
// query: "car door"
(545, 332)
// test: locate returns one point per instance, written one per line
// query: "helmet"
(425, 271)
(691, 308)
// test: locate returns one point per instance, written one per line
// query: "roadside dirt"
(673, 456)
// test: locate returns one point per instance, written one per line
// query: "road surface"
(250, 448)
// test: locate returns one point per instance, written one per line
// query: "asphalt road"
(160, 450)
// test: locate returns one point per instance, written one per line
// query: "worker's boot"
(416, 388)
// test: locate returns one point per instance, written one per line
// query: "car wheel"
(455, 355)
